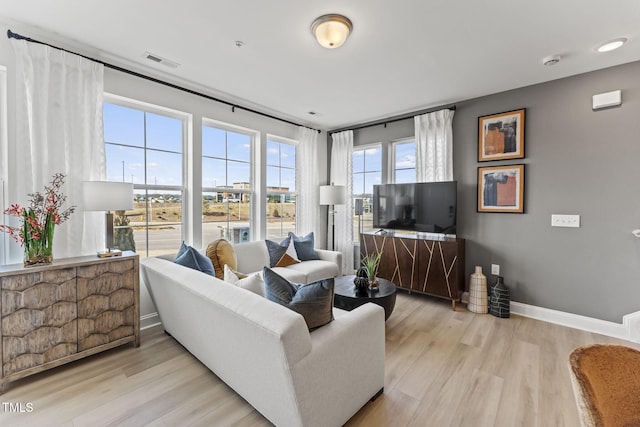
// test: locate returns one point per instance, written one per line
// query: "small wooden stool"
(606, 384)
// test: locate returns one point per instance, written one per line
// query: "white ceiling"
(402, 56)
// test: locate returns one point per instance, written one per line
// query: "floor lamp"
(331, 195)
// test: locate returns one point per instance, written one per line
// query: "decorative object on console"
(478, 292)
(108, 196)
(38, 222)
(501, 136)
(331, 195)
(501, 189)
(314, 301)
(371, 262)
(500, 299)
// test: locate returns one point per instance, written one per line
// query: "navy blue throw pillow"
(189, 257)
(313, 301)
(304, 246)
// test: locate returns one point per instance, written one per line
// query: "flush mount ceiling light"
(331, 30)
(611, 45)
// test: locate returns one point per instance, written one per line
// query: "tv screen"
(421, 206)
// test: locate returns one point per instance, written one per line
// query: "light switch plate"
(495, 269)
(572, 221)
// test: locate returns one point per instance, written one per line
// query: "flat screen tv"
(421, 206)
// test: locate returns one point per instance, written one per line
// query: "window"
(281, 187)
(227, 184)
(144, 146)
(404, 158)
(367, 172)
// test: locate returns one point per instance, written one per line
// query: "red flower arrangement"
(38, 221)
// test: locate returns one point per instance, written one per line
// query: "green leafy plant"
(371, 263)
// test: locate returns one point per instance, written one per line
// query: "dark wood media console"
(418, 264)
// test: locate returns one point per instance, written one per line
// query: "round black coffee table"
(347, 297)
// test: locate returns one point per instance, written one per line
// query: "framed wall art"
(501, 189)
(501, 136)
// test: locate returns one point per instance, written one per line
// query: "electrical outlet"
(495, 269)
(572, 221)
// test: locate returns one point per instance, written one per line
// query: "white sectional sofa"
(264, 351)
(252, 256)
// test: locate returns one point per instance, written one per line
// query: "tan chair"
(606, 385)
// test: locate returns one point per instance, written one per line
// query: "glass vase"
(38, 249)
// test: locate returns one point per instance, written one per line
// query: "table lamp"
(108, 196)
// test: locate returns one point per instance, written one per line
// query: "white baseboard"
(628, 330)
(149, 320)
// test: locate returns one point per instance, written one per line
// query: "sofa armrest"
(333, 256)
(348, 358)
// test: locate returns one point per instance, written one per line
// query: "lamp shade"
(332, 194)
(107, 196)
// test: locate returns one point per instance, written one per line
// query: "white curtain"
(434, 146)
(342, 174)
(59, 129)
(307, 202)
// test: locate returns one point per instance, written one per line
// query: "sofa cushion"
(289, 274)
(304, 246)
(252, 282)
(281, 254)
(189, 257)
(221, 253)
(313, 270)
(313, 301)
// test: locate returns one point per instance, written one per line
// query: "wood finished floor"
(443, 368)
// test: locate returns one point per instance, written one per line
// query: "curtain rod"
(385, 122)
(12, 35)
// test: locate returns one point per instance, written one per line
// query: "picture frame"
(501, 189)
(501, 136)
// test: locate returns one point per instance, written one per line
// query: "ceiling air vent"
(160, 60)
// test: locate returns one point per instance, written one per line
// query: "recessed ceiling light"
(611, 45)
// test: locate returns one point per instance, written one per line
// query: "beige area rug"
(606, 382)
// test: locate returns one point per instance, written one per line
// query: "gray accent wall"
(578, 161)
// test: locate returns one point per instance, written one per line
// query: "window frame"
(185, 118)
(292, 194)
(392, 157)
(379, 146)
(254, 136)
